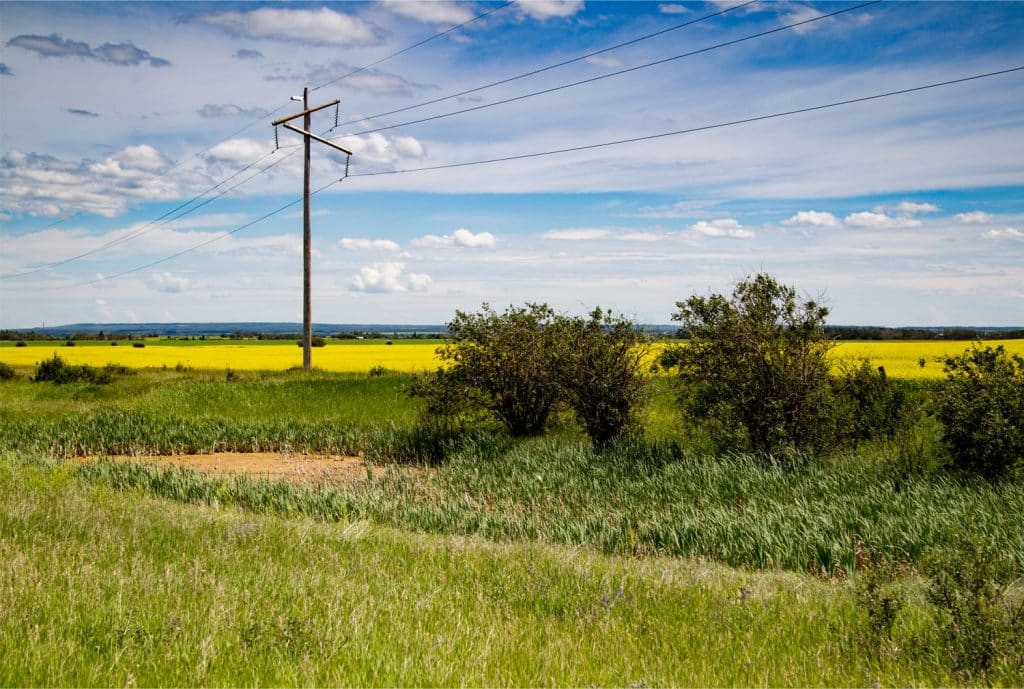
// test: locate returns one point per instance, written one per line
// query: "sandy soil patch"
(297, 468)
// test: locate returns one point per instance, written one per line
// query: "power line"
(618, 72)
(153, 224)
(192, 248)
(692, 130)
(143, 230)
(540, 70)
(414, 45)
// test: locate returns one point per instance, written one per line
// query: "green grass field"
(103, 587)
(536, 562)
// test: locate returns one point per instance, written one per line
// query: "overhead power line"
(556, 65)
(200, 245)
(692, 130)
(414, 45)
(616, 73)
(572, 149)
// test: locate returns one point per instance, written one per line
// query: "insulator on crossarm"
(276, 145)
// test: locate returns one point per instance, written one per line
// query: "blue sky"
(906, 210)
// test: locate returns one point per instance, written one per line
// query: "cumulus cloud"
(800, 13)
(79, 112)
(5, 71)
(579, 234)
(724, 227)
(460, 238)
(388, 277)
(813, 219)
(247, 54)
(350, 244)
(879, 221)
(375, 149)
(548, 9)
(910, 208)
(211, 111)
(435, 12)
(125, 54)
(974, 218)
(45, 185)
(1005, 233)
(672, 8)
(237, 151)
(321, 26)
(168, 282)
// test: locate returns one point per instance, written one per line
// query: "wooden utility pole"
(307, 243)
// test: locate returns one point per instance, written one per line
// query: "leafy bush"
(981, 405)
(315, 341)
(20, 343)
(500, 363)
(879, 598)
(601, 373)
(7, 371)
(980, 620)
(138, 345)
(57, 371)
(756, 366)
(377, 371)
(867, 405)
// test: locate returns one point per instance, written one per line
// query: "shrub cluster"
(7, 371)
(57, 371)
(981, 407)
(520, 365)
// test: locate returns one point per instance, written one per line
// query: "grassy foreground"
(101, 587)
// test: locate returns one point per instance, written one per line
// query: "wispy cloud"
(1005, 233)
(79, 112)
(974, 218)
(672, 8)
(211, 111)
(5, 71)
(168, 282)
(578, 234)
(125, 54)
(879, 221)
(359, 244)
(248, 54)
(549, 9)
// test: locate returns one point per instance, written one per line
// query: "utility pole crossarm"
(308, 111)
(313, 136)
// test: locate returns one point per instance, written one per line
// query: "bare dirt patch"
(296, 468)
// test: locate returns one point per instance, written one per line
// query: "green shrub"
(981, 405)
(867, 404)
(601, 373)
(20, 343)
(377, 371)
(502, 364)
(979, 616)
(7, 371)
(756, 367)
(315, 341)
(879, 598)
(57, 371)
(138, 345)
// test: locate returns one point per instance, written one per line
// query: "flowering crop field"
(901, 359)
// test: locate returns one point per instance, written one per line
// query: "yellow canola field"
(349, 358)
(901, 359)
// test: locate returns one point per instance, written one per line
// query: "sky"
(139, 179)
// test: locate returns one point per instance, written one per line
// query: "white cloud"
(434, 12)
(724, 227)
(1005, 233)
(321, 26)
(879, 221)
(813, 218)
(577, 234)
(547, 9)
(388, 278)
(168, 282)
(461, 237)
(641, 237)
(238, 151)
(910, 208)
(604, 61)
(672, 8)
(801, 13)
(974, 218)
(368, 244)
(375, 149)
